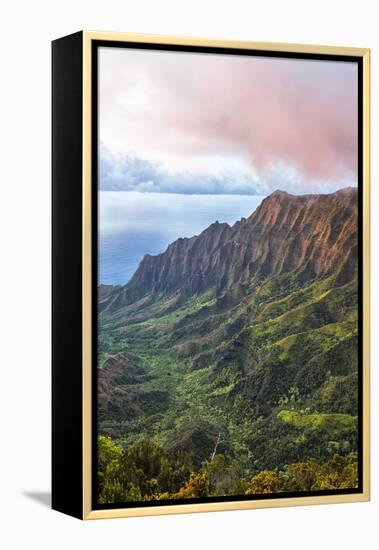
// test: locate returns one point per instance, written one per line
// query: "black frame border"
(67, 253)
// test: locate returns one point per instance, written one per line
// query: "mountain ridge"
(249, 331)
(306, 233)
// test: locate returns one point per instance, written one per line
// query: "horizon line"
(268, 194)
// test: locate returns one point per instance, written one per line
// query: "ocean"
(132, 224)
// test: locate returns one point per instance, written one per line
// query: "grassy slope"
(270, 373)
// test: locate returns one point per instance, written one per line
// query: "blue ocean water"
(132, 224)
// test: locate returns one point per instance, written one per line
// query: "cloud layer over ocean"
(191, 123)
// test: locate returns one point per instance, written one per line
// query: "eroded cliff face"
(313, 235)
(309, 235)
(189, 264)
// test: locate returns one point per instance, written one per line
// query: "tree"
(300, 476)
(264, 482)
(108, 456)
(196, 486)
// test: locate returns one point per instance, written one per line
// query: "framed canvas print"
(210, 275)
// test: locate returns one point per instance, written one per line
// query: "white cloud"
(130, 173)
(221, 114)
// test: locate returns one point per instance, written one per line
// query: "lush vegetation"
(145, 471)
(229, 364)
(265, 397)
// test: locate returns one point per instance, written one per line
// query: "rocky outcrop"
(312, 235)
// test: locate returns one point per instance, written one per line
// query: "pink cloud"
(299, 112)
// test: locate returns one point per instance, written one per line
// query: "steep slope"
(310, 235)
(234, 331)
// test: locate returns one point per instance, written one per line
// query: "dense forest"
(228, 365)
(145, 471)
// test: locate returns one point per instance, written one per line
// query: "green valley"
(229, 363)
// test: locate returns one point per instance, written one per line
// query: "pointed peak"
(280, 193)
(216, 226)
(278, 196)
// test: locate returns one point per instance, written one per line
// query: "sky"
(215, 124)
(133, 224)
(187, 139)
